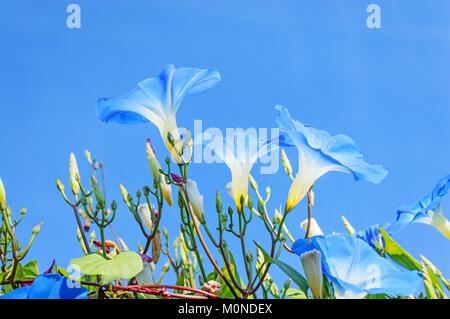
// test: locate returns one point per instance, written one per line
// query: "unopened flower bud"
(219, 205)
(146, 215)
(166, 267)
(84, 201)
(348, 226)
(87, 223)
(152, 160)
(253, 183)
(261, 209)
(156, 247)
(2, 196)
(314, 229)
(195, 199)
(97, 192)
(287, 284)
(88, 156)
(114, 205)
(37, 228)
(124, 194)
(165, 233)
(176, 178)
(268, 191)
(249, 202)
(249, 256)
(278, 216)
(311, 262)
(74, 175)
(167, 192)
(286, 163)
(123, 245)
(59, 185)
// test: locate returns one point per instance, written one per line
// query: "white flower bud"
(313, 271)
(314, 229)
(286, 163)
(253, 183)
(146, 215)
(195, 199)
(124, 246)
(74, 175)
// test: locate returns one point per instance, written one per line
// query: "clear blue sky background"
(387, 88)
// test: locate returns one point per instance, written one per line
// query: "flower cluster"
(359, 264)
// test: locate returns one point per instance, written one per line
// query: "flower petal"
(356, 269)
(335, 151)
(157, 98)
(427, 210)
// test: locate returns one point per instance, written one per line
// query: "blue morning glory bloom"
(157, 100)
(319, 153)
(355, 269)
(48, 286)
(427, 210)
(240, 151)
(372, 235)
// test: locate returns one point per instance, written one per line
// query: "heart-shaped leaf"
(122, 266)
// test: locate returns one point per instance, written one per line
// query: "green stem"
(80, 227)
(102, 234)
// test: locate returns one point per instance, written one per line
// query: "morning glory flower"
(372, 235)
(319, 153)
(48, 286)
(355, 269)
(427, 210)
(240, 152)
(157, 100)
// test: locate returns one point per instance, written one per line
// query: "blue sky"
(387, 88)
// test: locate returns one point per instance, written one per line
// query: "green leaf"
(296, 294)
(123, 266)
(29, 271)
(398, 254)
(288, 270)
(428, 283)
(379, 296)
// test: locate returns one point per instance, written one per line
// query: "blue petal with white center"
(427, 210)
(48, 286)
(319, 153)
(239, 151)
(157, 100)
(356, 270)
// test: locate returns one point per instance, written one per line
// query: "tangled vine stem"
(158, 290)
(205, 247)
